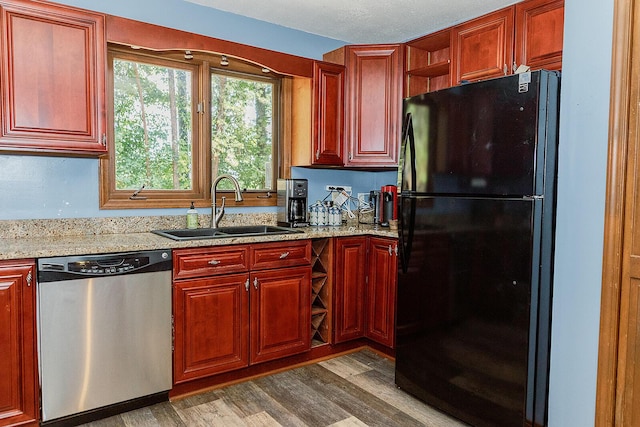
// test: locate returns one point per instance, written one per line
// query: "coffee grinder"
(292, 202)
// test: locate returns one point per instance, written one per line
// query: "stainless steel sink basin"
(232, 231)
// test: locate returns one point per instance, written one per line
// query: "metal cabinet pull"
(395, 249)
(246, 285)
(255, 282)
(29, 279)
(284, 255)
(214, 262)
(390, 251)
(505, 69)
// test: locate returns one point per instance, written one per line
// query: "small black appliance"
(292, 202)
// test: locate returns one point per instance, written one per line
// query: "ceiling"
(361, 21)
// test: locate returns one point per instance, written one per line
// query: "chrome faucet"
(216, 215)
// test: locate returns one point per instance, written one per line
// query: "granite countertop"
(63, 244)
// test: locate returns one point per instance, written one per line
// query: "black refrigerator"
(476, 226)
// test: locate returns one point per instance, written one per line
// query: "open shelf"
(428, 63)
(321, 285)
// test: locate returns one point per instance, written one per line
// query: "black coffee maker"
(292, 202)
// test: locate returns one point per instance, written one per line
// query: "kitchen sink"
(231, 231)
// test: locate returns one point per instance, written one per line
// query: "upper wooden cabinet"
(328, 114)
(539, 34)
(18, 365)
(373, 103)
(529, 33)
(53, 74)
(482, 48)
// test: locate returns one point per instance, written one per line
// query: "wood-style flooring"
(351, 390)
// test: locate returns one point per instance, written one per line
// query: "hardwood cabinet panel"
(280, 255)
(200, 262)
(280, 313)
(53, 69)
(18, 363)
(328, 114)
(483, 48)
(381, 291)
(350, 276)
(374, 104)
(539, 34)
(211, 326)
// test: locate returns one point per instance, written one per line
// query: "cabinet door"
(280, 313)
(349, 294)
(381, 291)
(53, 74)
(18, 369)
(210, 325)
(539, 33)
(482, 48)
(374, 106)
(328, 114)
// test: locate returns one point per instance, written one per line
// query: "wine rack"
(321, 284)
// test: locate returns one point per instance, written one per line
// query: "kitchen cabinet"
(328, 114)
(381, 290)
(18, 364)
(235, 306)
(321, 291)
(53, 74)
(373, 104)
(539, 34)
(318, 119)
(483, 48)
(365, 289)
(529, 33)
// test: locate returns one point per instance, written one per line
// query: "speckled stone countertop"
(46, 238)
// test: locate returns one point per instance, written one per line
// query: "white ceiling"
(361, 21)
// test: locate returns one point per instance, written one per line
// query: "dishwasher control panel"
(60, 268)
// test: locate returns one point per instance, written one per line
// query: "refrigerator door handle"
(405, 246)
(407, 136)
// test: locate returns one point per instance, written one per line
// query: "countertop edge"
(52, 246)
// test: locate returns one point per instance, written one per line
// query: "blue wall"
(584, 115)
(41, 187)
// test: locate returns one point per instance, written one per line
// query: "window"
(177, 121)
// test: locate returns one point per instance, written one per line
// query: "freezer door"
(467, 306)
(484, 138)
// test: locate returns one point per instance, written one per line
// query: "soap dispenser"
(192, 217)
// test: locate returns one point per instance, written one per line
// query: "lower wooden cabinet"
(365, 289)
(224, 322)
(18, 363)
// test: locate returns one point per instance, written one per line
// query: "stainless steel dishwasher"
(104, 328)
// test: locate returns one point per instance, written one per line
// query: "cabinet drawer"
(281, 254)
(199, 262)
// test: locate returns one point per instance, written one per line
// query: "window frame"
(202, 66)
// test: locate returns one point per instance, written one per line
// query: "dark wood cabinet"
(539, 34)
(349, 290)
(18, 364)
(53, 74)
(235, 306)
(373, 104)
(483, 48)
(529, 33)
(328, 114)
(365, 289)
(211, 326)
(381, 290)
(280, 313)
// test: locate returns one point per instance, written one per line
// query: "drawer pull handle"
(255, 283)
(246, 285)
(284, 255)
(214, 262)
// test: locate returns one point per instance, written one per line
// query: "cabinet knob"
(214, 262)
(246, 285)
(390, 251)
(255, 283)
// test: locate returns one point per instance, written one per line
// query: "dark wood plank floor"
(352, 390)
